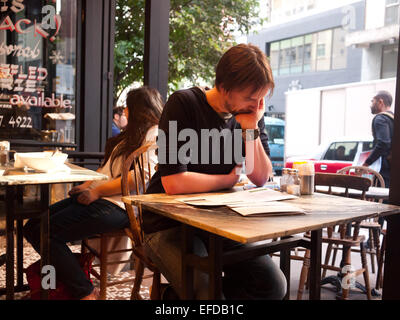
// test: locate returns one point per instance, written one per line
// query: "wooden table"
(45, 180)
(220, 222)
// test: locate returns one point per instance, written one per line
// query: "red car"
(337, 154)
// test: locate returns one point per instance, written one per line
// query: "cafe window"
(38, 70)
(392, 12)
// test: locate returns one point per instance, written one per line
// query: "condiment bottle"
(293, 186)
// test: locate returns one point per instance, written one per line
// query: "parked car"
(337, 154)
(276, 130)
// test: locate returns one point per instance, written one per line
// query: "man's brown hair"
(244, 66)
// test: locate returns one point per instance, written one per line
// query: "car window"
(367, 146)
(341, 151)
(275, 133)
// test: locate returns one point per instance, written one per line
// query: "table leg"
(315, 265)
(285, 267)
(20, 254)
(391, 276)
(10, 207)
(215, 267)
(187, 270)
(44, 233)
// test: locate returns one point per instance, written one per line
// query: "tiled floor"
(123, 291)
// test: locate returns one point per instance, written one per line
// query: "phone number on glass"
(17, 122)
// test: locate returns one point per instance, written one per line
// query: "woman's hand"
(77, 189)
(87, 196)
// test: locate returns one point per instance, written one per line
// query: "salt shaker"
(284, 179)
(293, 186)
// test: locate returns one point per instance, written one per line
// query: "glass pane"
(275, 133)
(284, 57)
(324, 48)
(392, 15)
(297, 55)
(310, 51)
(389, 2)
(38, 71)
(339, 51)
(342, 151)
(389, 60)
(274, 57)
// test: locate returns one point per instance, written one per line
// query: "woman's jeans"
(72, 221)
(252, 279)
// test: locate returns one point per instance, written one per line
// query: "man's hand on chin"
(250, 120)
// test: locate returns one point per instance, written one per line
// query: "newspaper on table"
(254, 202)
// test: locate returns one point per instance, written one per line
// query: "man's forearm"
(258, 165)
(193, 182)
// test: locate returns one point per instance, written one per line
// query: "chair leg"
(139, 270)
(335, 250)
(347, 262)
(303, 274)
(327, 256)
(83, 248)
(156, 286)
(365, 267)
(376, 233)
(103, 267)
(371, 249)
(379, 278)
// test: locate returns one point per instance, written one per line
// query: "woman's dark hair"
(144, 111)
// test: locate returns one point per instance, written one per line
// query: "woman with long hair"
(96, 207)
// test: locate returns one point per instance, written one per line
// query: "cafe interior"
(334, 235)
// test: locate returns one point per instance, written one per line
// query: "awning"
(366, 37)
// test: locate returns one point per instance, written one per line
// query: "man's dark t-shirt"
(188, 109)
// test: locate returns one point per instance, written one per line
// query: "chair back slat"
(347, 182)
(343, 181)
(136, 161)
(361, 171)
(366, 172)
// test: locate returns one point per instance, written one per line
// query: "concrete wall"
(374, 14)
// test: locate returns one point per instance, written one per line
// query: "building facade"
(314, 43)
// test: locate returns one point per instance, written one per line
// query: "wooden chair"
(137, 160)
(101, 251)
(342, 236)
(372, 225)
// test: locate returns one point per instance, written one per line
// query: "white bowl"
(43, 161)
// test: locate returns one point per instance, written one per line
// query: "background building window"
(309, 52)
(324, 48)
(285, 57)
(339, 49)
(392, 12)
(320, 51)
(297, 55)
(274, 57)
(389, 61)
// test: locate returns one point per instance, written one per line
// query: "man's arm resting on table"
(258, 165)
(193, 182)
